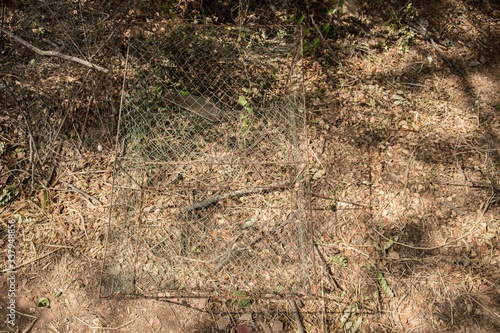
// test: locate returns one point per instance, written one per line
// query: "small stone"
(474, 63)
(246, 317)
(243, 329)
(223, 322)
(482, 59)
(393, 255)
(277, 326)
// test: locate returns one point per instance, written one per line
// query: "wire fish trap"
(208, 192)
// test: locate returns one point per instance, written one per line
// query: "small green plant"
(243, 300)
(339, 260)
(37, 28)
(339, 187)
(399, 31)
(279, 289)
(349, 320)
(390, 242)
(383, 284)
(337, 5)
(9, 194)
(405, 33)
(406, 38)
(246, 116)
(43, 302)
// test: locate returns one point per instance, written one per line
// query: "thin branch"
(87, 196)
(30, 326)
(238, 193)
(296, 315)
(54, 165)
(414, 84)
(419, 28)
(53, 53)
(318, 30)
(30, 261)
(326, 270)
(220, 197)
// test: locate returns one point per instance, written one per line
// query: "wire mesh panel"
(208, 194)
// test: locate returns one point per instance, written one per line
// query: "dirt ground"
(403, 125)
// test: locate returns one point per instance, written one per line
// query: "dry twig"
(30, 261)
(326, 271)
(87, 196)
(234, 194)
(220, 197)
(52, 53)
(296, 315)
(28, 328)
(318, 30)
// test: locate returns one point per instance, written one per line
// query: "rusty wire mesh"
(208, 194)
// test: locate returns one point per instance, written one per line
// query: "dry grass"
(404, 158)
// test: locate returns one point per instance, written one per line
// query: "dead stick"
(53, 53)
(296, 315)
(30, 326)
(238, 193)
(30, 261)
(323, 39)
(326, 271)
(54, 165)
(87, 196)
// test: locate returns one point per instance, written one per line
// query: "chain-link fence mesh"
(208, 191)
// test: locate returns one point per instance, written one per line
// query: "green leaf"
(331, 11)
(9, 194)
(383, 284)
(339, 260)
(488, 236)
(239, 293)
(390, 242)
(242, 300)
(184, 92)
(279, 289)
(348, 312)
(58, 294)
(242, 101)
(43, 302)
(301, 19)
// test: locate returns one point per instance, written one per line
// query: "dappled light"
(250, 166)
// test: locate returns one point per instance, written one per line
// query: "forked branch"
(52, 53)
